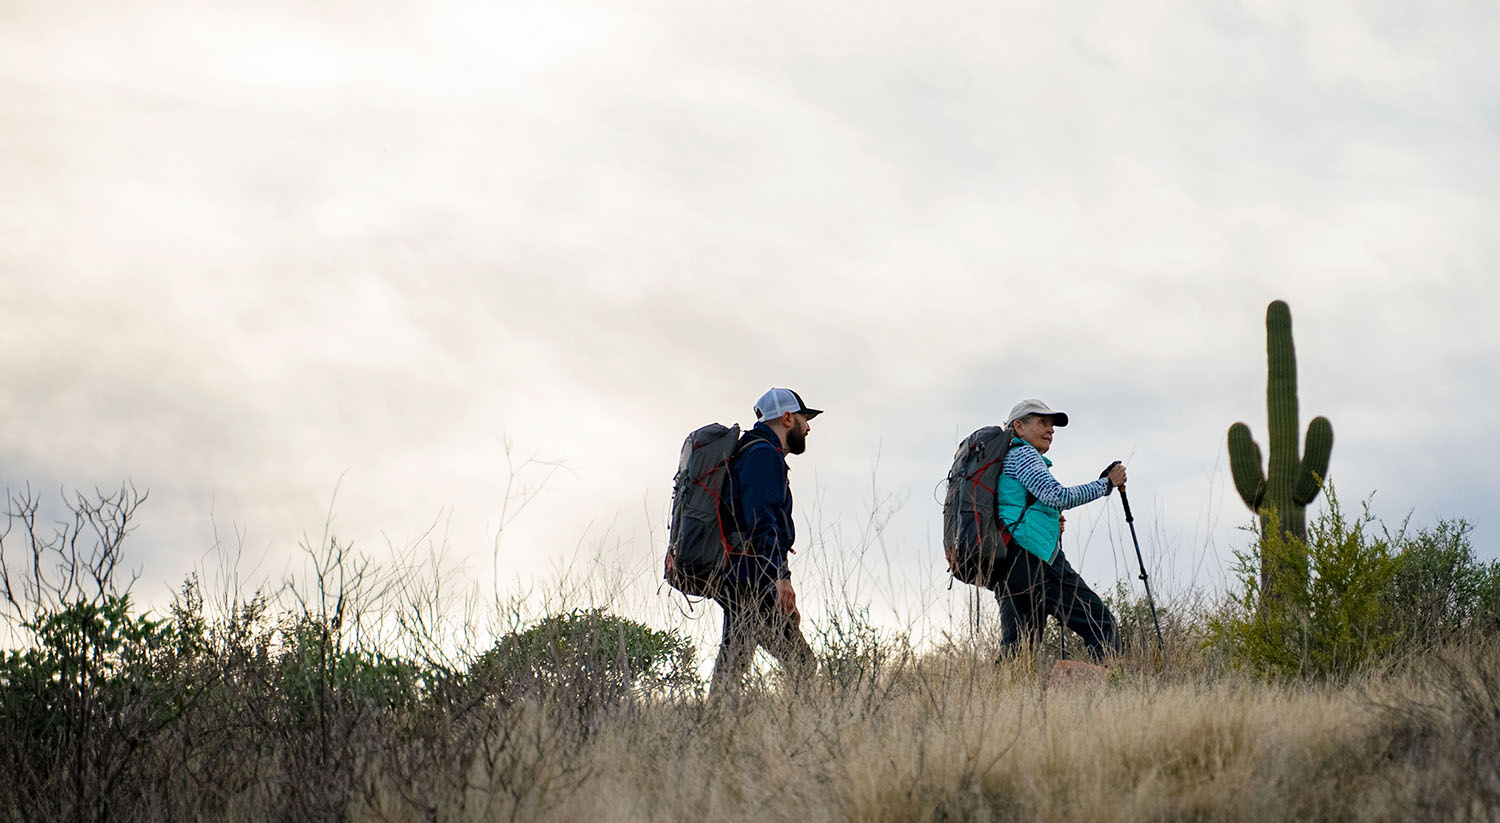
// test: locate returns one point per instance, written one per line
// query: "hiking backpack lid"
(698, 533)
(975, 542)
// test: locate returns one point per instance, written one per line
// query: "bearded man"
(759, 603)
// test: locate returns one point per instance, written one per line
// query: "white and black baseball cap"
(1034, 406)
(777, 402)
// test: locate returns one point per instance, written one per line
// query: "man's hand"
(1062, 525)
(786, 597)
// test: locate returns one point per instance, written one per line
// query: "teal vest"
(1032, 523)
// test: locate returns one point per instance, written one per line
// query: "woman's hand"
(1116, 474)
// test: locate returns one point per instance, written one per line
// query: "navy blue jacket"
(760, 504)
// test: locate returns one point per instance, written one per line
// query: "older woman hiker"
(1040, 581)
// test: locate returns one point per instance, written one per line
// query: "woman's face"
(1036, 430)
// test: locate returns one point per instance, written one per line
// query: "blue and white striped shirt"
(1030, 469)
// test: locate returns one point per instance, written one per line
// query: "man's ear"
(788, 421)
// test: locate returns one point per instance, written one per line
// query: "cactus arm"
(1245, 466)
(1314, 469)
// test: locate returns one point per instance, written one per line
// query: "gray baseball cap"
(777, 402)
(1034, 406)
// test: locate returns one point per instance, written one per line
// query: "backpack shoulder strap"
(735, 537)
(748, 441)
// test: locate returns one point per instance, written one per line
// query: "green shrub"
(1487, 598)
(1327, 621)
(1364, 596)
(1441, 591)
(314, 663)
(587, 658)
(95, 687)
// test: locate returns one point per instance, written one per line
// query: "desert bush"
(1441, 590)
(588, 659)
(1324, 624)
(91, 689)
(83, 704)
(1369, 594)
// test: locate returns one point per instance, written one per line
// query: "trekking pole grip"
(1125, 501)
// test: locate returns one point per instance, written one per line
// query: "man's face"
(1036, 430)
(796, 433)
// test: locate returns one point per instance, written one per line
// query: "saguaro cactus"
(1291, 481)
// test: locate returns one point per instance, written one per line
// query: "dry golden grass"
(356, 701)
(946, 738)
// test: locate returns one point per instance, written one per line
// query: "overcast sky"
(253, 253)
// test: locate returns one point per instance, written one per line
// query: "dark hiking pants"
(1031, 590)
(751, 619)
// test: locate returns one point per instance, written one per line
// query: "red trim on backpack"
(974, 478)
(718, 504)
(1006, 538)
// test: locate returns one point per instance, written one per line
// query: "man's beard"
(796, 441)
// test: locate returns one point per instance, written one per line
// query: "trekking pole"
(1130, 519)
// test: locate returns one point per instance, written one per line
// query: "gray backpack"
(975, 541)
(699, 533)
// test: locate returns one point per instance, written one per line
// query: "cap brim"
(1059, 419)
(810, 413)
